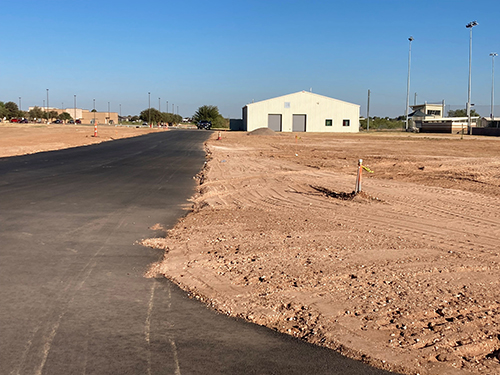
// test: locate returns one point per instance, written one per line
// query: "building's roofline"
(303, 92)
(450, 119)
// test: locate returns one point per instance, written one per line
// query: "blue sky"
(228, 53)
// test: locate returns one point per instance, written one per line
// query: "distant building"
(85, 116)
(430, 118)
(302, 111)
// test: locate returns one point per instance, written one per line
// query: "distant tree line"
(153, 116)
(380, 123)
(10, 111)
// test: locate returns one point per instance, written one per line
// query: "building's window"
(434, 112)
(287, 104)
(346, 123)
(328, 122)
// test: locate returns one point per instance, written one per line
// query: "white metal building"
(302, 112)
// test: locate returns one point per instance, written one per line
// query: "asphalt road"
(73, 299)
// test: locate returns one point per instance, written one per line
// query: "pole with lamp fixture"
(408, 85)
(470, 25)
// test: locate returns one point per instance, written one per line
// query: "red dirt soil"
(403, 276)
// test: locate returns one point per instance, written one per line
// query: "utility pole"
(492, 84)
(47, 106)
(368, 113)
(408, 84)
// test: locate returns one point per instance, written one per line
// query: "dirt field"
(404, 276)
(20, 139)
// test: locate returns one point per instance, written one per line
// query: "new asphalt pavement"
(73, 299)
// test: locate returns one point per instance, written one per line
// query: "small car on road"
(207, 125)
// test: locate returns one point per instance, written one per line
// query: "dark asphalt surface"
(73, 299)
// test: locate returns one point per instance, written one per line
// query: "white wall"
(316, 107)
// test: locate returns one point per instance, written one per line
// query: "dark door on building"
(274, 122)
(299, 123)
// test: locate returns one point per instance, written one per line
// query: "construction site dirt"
(403, 275)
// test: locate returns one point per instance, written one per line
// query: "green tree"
(3, 111)
(12, 110)
(151, 115)
(65, 116)
(52, 114)
(207, 113)
(36, 113)
(462, 113)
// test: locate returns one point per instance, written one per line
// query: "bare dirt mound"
(403, 276)
(262, 131)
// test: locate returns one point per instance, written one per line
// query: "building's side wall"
(317, 109)
(100, 117)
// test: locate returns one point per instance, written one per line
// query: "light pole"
(74, 118)
(470, 25)
(408, 84)
(109, 115)
(368, 113)
(120, 112)
(167, 106)
(47, 106)
(159, 105)
(149, 108)
(20, 108)
(493, 54)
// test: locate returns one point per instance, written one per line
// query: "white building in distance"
(302, 112)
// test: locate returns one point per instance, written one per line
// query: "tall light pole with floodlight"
(47, 106)
(470, 25)
(493, 55)
(74, 104)
(408, 85)
(149, 108)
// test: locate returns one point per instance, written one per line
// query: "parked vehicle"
(57, 122)
(14, 120)
(24, 121)
(78, 121)
(207, 125)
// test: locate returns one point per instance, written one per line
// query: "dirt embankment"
(21, 139)
(403, 276)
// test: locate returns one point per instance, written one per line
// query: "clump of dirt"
(406, 281)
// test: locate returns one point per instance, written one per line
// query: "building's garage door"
(299, 123)
(274, 122)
